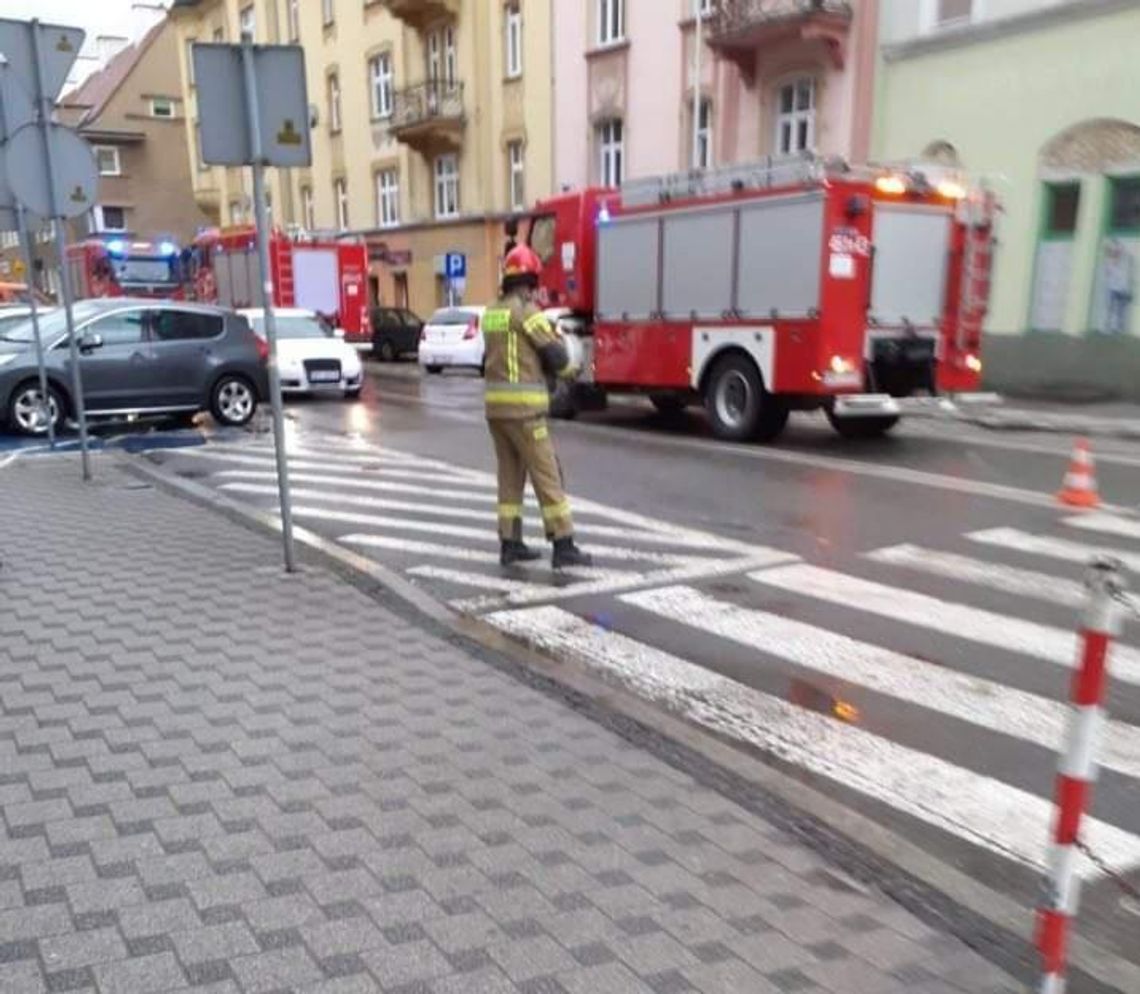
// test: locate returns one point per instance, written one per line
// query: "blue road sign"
(456, 265)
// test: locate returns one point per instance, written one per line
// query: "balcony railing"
(419, 14)
(428, 114)
(731, 16)
(738, 28)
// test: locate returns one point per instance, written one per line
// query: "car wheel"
(25, 410)
(386, 351)
(434, 369)
(233, 401)
(738, 405)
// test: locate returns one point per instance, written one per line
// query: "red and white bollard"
(1077, 768)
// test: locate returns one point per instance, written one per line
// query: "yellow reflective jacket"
(522, 348)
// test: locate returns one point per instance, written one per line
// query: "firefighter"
(522, 350)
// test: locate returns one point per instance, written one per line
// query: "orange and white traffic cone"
(1079, 488)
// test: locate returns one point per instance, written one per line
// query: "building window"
(161, 107)
(334, 103)
(434, 56)
(380, 84)
(236, 213)
(795, 117)
(111, 218)
(387, 198)
(340, 200)
(611, 152)
(447, 186)
(514, 41)
(293, 14)
(704, 134)
(611, 21)
(1124, 215)
(442, 56)
(1062, 206)
(953, 12)
(107, 159)
(516, 167)
(190, 61)
(247, 22)
(308, 212)
(328, 12)
(450, 57)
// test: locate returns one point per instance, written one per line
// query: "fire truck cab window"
(542, 236)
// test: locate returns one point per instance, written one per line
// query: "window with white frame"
(340, 201)
(704, 134)
(190, 42)
(247, 21)
(514, 41)
(333, 84)
(108, 161)
(434, 56)
(161, 107)
(237, 215)
(308, 210)
(948, 12)
(380, 79)
(611, 21)
(447, 186)
(611, 152)
(328, 12)
(703, 7)
(387, 198)
(516, 169)
(293, 14)
(111, 218)
(795, 116)
(450, 56)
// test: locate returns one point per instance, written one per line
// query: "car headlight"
(8, 357)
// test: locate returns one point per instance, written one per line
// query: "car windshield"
(293, 326)
(454, 315)
(53, 324)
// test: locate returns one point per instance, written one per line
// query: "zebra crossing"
(930, 681)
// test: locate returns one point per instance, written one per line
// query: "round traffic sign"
(76, 178)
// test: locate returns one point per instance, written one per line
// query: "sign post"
(268, 127)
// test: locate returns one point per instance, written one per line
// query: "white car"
(452, 336)
(311, 356)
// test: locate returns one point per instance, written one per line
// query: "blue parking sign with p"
(456, 265)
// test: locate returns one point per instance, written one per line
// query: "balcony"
(738, 29)
(419, 14)
(429, 117)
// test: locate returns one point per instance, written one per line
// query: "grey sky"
(96, 17)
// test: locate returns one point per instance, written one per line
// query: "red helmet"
(522, 260)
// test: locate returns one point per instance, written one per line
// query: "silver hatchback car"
(137, 357)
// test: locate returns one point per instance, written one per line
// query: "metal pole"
(45, 102)
(261, 215)
(45, 395)
(698, 45)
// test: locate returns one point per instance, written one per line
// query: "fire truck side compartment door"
(781, 244)
(627, 268)
(316, 287)
(697, 271)
(912, 244)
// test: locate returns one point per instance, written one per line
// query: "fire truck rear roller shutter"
(912, 245)
(781, 244)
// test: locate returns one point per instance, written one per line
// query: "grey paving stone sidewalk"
(217, 778)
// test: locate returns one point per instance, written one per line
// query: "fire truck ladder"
(283, 263)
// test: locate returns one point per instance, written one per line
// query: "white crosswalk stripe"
(1016, 635)
(992, 814)
(1107, 524)
(1053, 548)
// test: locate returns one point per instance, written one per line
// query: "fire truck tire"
(738, 406)
(22, 408)
(434, 369)
(862, 427)
(233, 400)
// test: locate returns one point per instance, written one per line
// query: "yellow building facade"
(431, 127)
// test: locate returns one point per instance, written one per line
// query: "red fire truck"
(326, 274)
(757, 290)
(121, 266)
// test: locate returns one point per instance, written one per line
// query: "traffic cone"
(1079, 488)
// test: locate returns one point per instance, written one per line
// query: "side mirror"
(87, 341)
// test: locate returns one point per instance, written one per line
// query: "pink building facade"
(777, 77)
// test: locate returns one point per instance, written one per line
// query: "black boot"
(566, 553)
(514, 550)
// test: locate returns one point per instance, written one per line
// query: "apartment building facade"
(777, 77)
(431, 126)
(1040, 97)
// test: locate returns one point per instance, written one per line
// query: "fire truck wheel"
(24, 409)
(738, 405)
(233, 401)
(862, 427)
